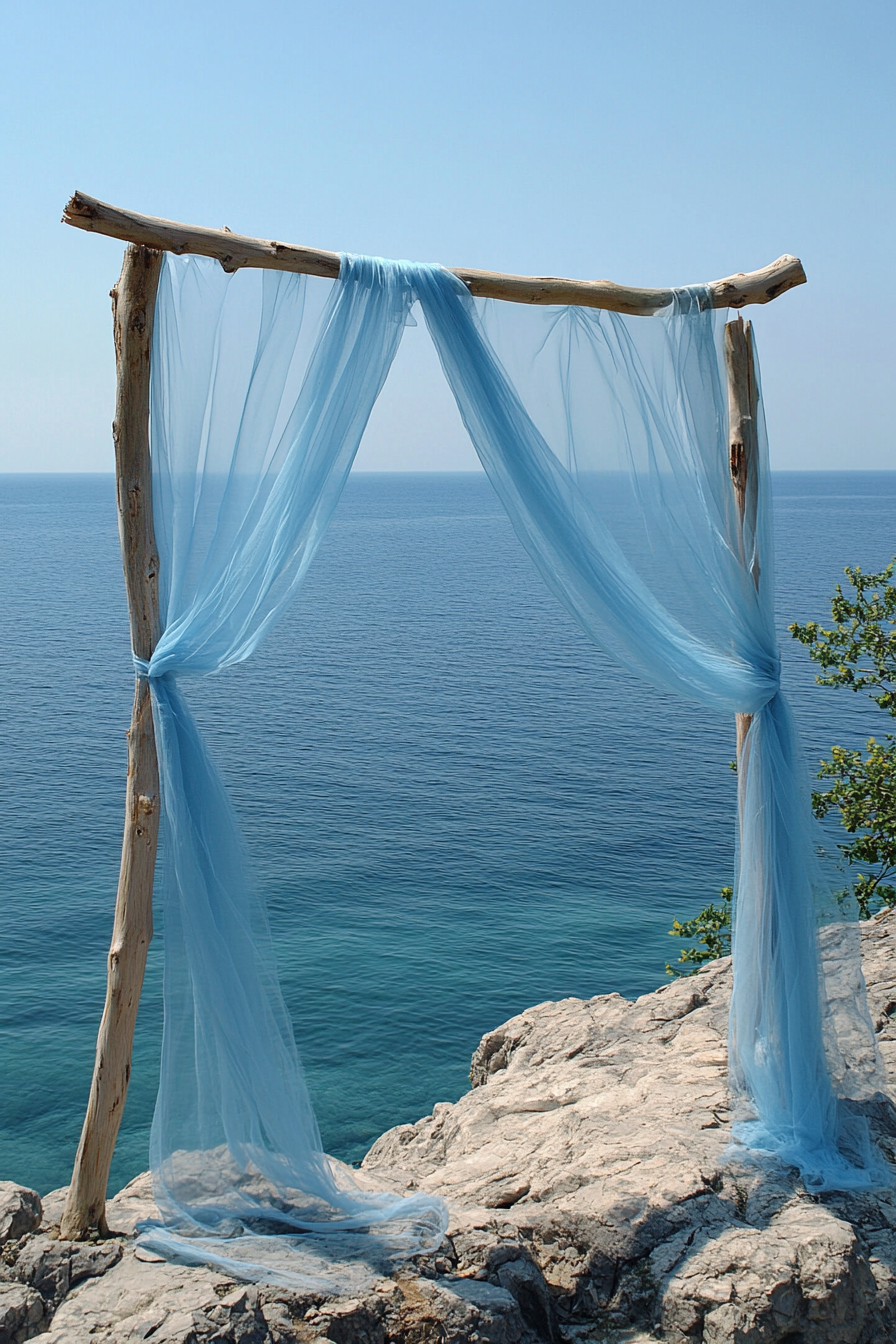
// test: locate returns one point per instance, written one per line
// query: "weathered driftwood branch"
(133, 306)
(234, 251)
(743, 452)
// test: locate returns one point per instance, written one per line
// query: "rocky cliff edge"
(593, 1196)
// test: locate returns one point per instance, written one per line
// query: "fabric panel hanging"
(635, 445)
(255, 423)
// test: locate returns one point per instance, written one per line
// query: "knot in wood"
(737, 462)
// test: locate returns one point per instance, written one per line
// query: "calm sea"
(457, 807)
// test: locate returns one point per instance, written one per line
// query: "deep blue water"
(457, 807)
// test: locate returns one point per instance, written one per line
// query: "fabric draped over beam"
(605, 438)
(255, 421)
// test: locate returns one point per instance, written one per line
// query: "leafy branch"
(859, 651)
(711, 931)
(864, 792)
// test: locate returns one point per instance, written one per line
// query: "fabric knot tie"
(141, 666)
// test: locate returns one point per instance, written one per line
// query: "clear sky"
(648, 141)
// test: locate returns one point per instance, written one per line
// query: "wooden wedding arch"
(133, 306)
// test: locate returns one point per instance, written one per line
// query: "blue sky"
(649, 142)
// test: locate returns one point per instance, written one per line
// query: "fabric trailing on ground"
(605, 438)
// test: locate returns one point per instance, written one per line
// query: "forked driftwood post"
(133, 306)
(743, 451)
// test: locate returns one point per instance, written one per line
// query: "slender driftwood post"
(743, 450)
(133, 306)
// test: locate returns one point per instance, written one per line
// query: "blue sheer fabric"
(606, 440)
(608, 448)
(254, 425)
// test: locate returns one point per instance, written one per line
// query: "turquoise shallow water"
(455, 805)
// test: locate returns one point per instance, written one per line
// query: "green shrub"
(710, 931)
(859, 651)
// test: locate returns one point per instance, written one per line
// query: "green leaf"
(859, 651)
(710, 930)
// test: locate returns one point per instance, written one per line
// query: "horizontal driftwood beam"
(234, 251)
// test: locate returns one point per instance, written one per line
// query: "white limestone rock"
(136, 1301)
(22, 1313)
(593, 1198)
(53, 1266)
(802, 1277)
(173, 1304)
(594, 1149)
(20, 1211)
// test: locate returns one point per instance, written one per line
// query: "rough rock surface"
(20, 1211)
(593, 1198)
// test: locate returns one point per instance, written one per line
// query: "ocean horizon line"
(465, 471)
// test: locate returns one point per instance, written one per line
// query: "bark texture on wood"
(133, 310)
(234, 251)
(133, 306)
(743, 455)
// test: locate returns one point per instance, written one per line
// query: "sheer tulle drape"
(608, 448)
(605, 438)
(255, 422)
